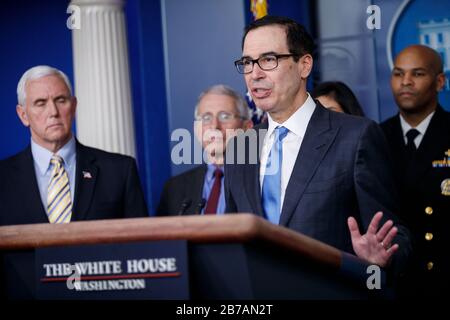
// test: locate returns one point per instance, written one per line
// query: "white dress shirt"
(297, 125)
(421, 127)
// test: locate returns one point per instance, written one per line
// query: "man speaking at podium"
(320, 173)
(56, 179)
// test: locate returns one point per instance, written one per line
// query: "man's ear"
(74, 106)
(305, 65)
(198, 131)
(22, 115)
(440, 81)
(248, 124)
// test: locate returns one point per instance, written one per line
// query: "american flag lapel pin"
(87, 175)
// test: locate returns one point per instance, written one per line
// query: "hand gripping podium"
(233, 256)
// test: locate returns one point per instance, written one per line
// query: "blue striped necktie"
(271, 191)
(59, 200)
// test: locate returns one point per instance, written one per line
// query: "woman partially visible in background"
(337, 96)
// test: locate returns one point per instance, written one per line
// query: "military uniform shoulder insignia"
(444, 163)
(445, 187)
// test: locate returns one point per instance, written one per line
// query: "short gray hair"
(38, 72)
(222, 89)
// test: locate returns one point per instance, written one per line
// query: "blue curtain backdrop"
(149, 99)
(32, 33)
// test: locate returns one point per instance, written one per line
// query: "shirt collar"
(421, 127)
(42, 156)
(210, 171)
(298, 121)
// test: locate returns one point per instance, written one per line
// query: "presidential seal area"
(226, 309)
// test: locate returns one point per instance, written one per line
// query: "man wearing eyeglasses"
(219, 112)
(332, 172)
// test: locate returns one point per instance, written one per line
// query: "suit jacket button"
(429, 210)
(428, 236)
(430, 266)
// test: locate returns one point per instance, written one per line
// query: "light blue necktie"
(271, 191)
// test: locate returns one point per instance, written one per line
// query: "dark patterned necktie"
(213, 200)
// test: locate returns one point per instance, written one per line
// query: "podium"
(233, 256)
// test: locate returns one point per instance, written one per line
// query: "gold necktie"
(59, 201)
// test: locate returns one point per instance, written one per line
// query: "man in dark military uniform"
(419, 138)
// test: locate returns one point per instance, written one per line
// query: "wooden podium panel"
(233, 256)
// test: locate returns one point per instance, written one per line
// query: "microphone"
(184, 205)
(200, 206)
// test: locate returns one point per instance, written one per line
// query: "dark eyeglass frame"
(239, 62)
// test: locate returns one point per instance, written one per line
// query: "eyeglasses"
(222, 116)
(266, 62)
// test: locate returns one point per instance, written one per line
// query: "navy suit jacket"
(183, 193)
(112, 191)
(342, 169)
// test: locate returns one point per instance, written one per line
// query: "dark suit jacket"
(420, 188)
(342, 170)
(114, 191)
(184, 188)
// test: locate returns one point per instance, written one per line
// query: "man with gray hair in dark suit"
(219, 112)
(56, 179)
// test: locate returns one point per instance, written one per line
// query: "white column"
(102, 79)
